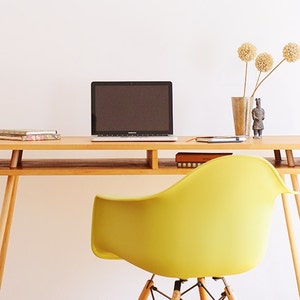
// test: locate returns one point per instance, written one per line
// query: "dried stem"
(257, 81)
(245, 80)
(258, 85)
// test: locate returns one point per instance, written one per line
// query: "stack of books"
(193, 160)
(28, 135)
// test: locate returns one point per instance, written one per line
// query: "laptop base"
(167, 138)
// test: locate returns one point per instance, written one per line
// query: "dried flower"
(264, 62)
(291, 52)
(246, 52)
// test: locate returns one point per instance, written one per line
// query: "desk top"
(183, 143)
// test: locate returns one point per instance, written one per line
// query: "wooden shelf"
(283, 167)
(109, 166)
(90, 167)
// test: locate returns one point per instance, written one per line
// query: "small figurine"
(258, 115)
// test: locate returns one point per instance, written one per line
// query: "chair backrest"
(213, 222)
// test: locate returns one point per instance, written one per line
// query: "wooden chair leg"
(229, 293)
(176, 292)
(202, 292)
(147, 289)
(227, 290)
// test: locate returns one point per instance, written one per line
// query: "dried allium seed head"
(264, 62)
(247, 52)
(291, 52)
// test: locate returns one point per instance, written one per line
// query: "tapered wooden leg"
(7, 211)
(147, 289)
(294, 177)
(176, 292)
(202, 292)
(292, 240)
(228, 291)
(7, 229)
(295, 183)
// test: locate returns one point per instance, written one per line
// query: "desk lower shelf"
(111, 167)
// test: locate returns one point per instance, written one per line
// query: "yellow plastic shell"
(213, 222)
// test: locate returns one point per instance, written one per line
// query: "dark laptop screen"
(132, 108)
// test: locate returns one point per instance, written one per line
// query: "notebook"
(221, 139)
(132, 111)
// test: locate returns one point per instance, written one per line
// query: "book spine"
(188, 164)
(26, 132)
(193, 160)
(197, 157)
(34, 137)
(40, 137)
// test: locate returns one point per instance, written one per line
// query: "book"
(194, 159)
(31, 137)
(24, 132)
(221, 139)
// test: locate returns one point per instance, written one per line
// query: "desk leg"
(7, 210)
(152, 159)
(296, 187)
(294, 178)
(288, 218)
(291, 235)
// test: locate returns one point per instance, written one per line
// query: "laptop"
(132, 111)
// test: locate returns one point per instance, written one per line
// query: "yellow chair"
(213, 222)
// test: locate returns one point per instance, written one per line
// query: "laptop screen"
(132, 108)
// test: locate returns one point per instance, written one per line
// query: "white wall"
(50, 51)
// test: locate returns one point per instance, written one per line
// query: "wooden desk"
(281, 151)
